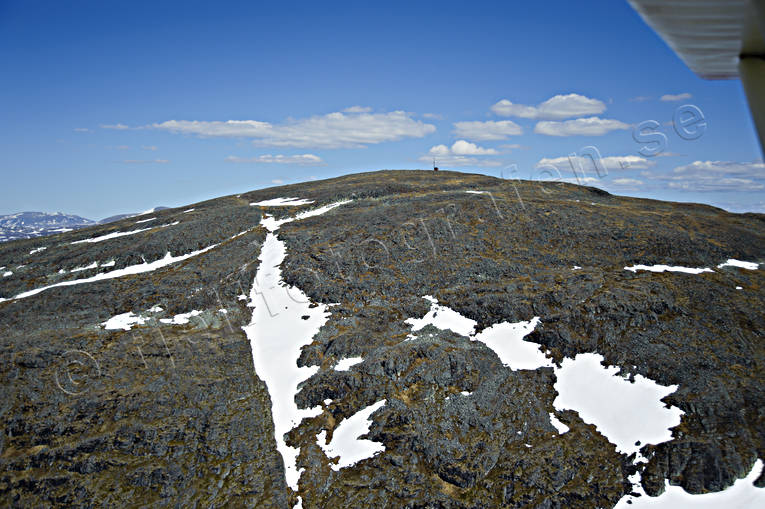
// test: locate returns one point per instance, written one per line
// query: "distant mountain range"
(26, 225)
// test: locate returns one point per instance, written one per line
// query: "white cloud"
(513, 146)
(639, 99)
(755, 169)
(590, 126)
(81, 130)
(708, 176)
(490, 130)
(458, 155)
(334, 130)
(675, 97)
(714, 184)
(149, 147)
(277, 181)
(300, 159)
(358, 109)
(585, 163)
(435, 116)
(557, 107)
(118, 127)
(465, 148)
(627, 182)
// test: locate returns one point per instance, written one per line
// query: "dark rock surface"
(174, 415)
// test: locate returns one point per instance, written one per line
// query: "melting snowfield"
(622, 411)
(742, 495)
(277, 333)
(345, 441)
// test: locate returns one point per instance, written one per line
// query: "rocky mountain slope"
(27, 225)
(128, 374)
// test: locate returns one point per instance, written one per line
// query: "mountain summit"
(386, 339)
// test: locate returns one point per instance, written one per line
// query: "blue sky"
(113, 107)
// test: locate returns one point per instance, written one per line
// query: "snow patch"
(108, 236)
(181, 319)
(737, 263)
(345, 364)
(93, 265)
(476, 192)
(38, 250)
(155, 309)
(145, 220)
(126, 271)
(662, 268)
(562, 428)
(7, 273)
(506, 339)
(189, 210)
(277, 335)
(742, 495)
(282, 202)
(124, 321)
(622, 411)
(345, 439)
(443, 318)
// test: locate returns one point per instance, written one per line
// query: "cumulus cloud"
(557, 107)
(675, 97)
(484, 131)
(459, 155)
(347, 129)
(299, 159)
(590, 126)
(465, 148)
(586, 163)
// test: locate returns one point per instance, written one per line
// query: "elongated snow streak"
(282, 202)
(126, 271)
(667, 268)
(113, 235)
(345, 364)
(277, 334)
(345, 439)
(145, 220)
(738, 263)
(37, 250)
(742, 495)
